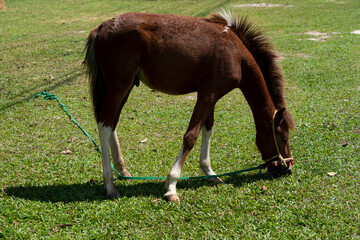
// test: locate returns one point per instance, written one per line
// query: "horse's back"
(175, 53)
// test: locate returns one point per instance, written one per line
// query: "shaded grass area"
(46, 194)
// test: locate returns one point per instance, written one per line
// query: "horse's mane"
(263, 52)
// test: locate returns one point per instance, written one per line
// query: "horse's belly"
(166, 83)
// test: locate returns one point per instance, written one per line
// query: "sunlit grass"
(46, 194)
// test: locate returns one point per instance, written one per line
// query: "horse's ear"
(284, 115)
(279, 116)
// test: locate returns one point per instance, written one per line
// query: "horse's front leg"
(173, 177)
(205, 164)
(204, 106)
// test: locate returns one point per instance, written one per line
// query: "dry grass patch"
(317, 36)
(262, 5)
(2, 4)
(287, 55)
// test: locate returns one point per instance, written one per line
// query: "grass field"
(45, 194)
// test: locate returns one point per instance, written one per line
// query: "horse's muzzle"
(278, 170)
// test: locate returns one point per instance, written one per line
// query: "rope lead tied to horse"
(282, 161)
(48, 96)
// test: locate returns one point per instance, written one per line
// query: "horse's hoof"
(126, 174)
(172, 197)
(115, 194)
(215, 180)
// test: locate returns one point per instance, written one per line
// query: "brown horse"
(178, 55)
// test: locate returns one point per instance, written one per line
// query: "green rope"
(197, 177)
(48, 96)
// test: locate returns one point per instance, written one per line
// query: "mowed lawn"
(50, 172)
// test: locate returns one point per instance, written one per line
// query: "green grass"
(45, 194)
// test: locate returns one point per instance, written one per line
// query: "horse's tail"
(96, 78)
(260, 47)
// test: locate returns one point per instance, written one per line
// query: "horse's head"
(274, 144)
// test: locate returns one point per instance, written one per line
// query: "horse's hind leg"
(205, 164)
(118, 159)
(107, 121)
(105, 132)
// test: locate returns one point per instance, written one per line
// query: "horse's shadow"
(94, 190)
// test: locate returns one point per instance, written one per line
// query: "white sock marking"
(105, 133)
(174, 174)
(205, 164)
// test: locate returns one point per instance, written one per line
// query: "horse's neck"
(256, 93)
